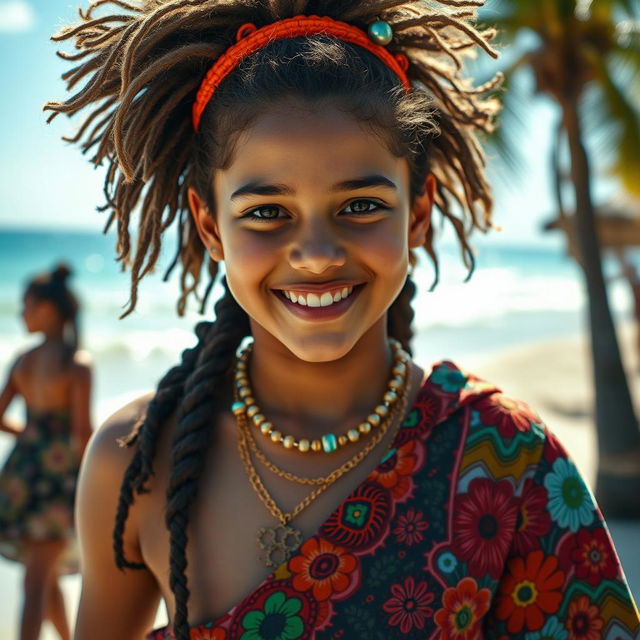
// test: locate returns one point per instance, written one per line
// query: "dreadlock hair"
(141, 67)
(51, 286)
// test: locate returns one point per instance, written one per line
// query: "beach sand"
(554, 377)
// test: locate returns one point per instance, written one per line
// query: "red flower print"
(323, 568)
(533, 519)
(409, 605)
(508, 415)
(530, 591)
(593, 557)
(583, 621)
(395, 472)
(202, 633)
(463, 608)
(484, 521)
(409, 527)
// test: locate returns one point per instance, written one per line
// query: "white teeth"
(313, 300)
(326, 299)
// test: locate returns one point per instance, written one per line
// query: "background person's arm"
(81, 387)
(8, 393)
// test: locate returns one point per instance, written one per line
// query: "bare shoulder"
(103, 468)
(105, 450)
(23, 360)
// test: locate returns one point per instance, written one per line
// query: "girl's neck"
(310, 398)
(53, 336)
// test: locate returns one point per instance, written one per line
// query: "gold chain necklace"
(279, 543)
(245, 404)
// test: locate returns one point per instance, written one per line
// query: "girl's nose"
(317, 249)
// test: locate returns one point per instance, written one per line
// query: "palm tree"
(585, 56)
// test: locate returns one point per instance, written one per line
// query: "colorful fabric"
(37, 488)
(476, 524)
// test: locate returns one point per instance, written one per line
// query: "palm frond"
(504, 141)
(617, 114)
(629, 8)
(625, 61)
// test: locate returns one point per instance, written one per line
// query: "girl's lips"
(320, 313)
(319, 288)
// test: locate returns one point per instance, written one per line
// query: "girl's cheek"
(386, 243)
(249, 260)
(239, 242)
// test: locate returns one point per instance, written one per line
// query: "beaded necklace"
(278, 543)
(245, 404)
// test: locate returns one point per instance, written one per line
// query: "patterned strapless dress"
(37, 488)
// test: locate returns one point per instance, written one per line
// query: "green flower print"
(357, 514)
(450, 381)
(412, 419)
(570, 503)
(277, 621)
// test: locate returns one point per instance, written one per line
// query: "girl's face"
(314, 223)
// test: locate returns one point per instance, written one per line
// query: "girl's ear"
(206, 225)
(421, 214)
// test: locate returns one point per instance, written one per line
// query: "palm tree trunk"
(618, 479)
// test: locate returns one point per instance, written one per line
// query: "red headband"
(251, 39)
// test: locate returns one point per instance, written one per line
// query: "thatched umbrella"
(617, 225)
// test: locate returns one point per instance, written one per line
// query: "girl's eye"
(263, 214)
(363, 206)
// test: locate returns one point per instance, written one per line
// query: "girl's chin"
(321, 348)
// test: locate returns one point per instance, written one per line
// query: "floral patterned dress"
(37, 487)
(476, 524)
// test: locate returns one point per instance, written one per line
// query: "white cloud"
(16, 16)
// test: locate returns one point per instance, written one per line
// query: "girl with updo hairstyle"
(38, 479)
(297, 476)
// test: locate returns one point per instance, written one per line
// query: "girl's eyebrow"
(255, 188)
(375, 180)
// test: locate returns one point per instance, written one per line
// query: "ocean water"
(517, 295)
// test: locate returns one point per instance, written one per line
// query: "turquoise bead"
(380, 32)
(237, 408)
(329, 443)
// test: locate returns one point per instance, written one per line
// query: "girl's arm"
(114, 603)
(9, 392)
(563, 579)
(81, 385)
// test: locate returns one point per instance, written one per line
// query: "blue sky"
(45, 182)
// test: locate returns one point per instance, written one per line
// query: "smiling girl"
(297, 475)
